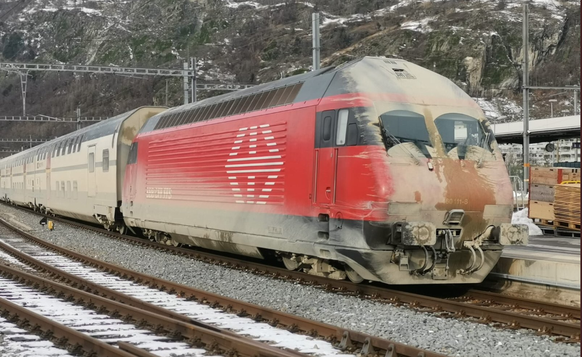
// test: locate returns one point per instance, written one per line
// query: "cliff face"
(477, 44)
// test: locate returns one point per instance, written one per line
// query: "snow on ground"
(16, 342)
(521, 217)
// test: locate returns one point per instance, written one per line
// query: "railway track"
(500, 310)
(54, 318)
(183, 312)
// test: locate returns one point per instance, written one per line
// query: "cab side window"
(342, 126)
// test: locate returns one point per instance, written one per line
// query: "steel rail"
(346, 338)
(139, 352)
(61, 334)
(540, 306)
(209, 336)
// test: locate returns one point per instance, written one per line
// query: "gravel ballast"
(447, 336)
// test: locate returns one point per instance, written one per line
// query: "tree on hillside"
(12, 46)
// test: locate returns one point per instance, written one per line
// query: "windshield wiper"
(485, 140)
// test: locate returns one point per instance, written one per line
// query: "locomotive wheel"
(352, 275)
(160, 238)
(290, 264)
(175, 244)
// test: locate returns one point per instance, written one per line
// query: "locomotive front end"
(442, 189)
(449, 213)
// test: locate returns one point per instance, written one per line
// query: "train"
(374, 170)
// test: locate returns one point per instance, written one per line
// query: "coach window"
(64, 149)
(68, 189)
(70, 145)
(91, 162)
(76, 144)
(63, 189)
(105, 160)
(79, 144)
(75, 189)
(342, 127)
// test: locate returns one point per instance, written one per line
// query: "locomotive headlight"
(418, 233)
(454, 217)
(423, 233)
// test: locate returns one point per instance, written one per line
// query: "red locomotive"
(376, 170)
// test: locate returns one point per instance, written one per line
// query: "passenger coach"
(78, 175)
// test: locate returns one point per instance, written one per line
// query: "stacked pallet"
(542, 190)
(567, 206)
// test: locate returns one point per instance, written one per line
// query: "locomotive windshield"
(401, 126)
(459, 131)
(462, 136)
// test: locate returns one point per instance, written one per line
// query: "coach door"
(48, 184)
(91, 182)
(131, 171)
(24, 182)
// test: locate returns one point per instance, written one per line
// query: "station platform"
(548, 267)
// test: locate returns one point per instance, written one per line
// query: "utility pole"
(525, 97)
(575, 90)
(23, 82)
(186, 82)
(315, 32)
(166, 92)
(78, 118)
(193, 77)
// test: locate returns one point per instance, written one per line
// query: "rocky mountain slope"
(475, 43)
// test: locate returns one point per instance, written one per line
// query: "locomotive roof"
(365, 75)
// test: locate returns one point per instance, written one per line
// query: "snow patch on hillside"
(418, 26)
(54, 6)
(499, 109)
